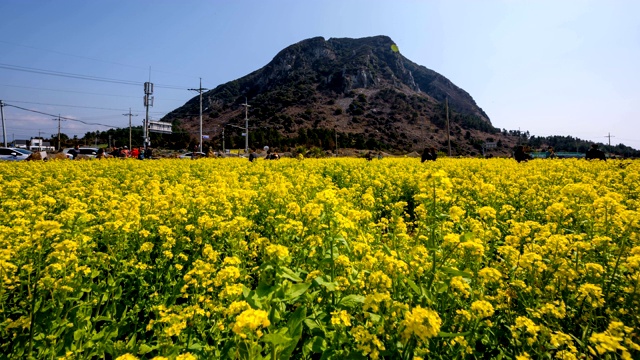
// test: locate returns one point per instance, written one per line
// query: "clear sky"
(561, 67)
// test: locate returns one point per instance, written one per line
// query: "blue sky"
(550, 67)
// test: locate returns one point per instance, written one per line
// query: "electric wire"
(61, 117)
(71, 91)
(94, 59)
(72, 106)
(83, 77)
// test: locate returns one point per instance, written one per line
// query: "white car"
(197, 155)
(85, 152)
(13, 154)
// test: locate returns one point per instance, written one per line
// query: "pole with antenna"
(148, 101)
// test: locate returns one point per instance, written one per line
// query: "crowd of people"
(271, 155)
(117, 152)
(520, 154)
(124, 152)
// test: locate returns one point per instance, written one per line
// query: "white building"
(38, 144)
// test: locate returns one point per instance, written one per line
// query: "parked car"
(86, 152)
(24, 151)
(12, 154)
(189, 155)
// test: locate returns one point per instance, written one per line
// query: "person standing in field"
(521, 155)
(75, 152)
(135, 152)
(429, 154)
(147, 153)
(550, 153)
(253, 155)
(595, 154)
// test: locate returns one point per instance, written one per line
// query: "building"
(21, 144)
(38, 144)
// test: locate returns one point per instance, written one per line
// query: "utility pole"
(609, 136)
(223, 149)
(446, 109)
(130, 115)
(200, 90)
(58, 120)
(4, 130)
(246, 125)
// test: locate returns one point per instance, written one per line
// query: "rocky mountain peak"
(361, 85)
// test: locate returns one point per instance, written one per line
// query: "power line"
(93, 59)
(70, 91)
(81, 77)
(61, 117)
(61, 105)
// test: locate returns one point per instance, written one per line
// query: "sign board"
(160, 127)
(490, 145)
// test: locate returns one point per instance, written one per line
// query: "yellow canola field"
(339, 258)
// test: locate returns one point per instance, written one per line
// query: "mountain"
(361, 91)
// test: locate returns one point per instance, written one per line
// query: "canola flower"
(384, 259)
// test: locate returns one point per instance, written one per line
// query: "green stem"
(615, 270)
(33, 304)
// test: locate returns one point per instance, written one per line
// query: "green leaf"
(294, 326)
(118, 293)
(331, 286)
(132, 342)
(311, 324)
(277, 338)
(456, 272)
(144, 348)
(253, 300)
(344, 243)
(296, 291)
(374, 317)
(414, 287)
(318, 344)
(386, 249)
(264, 291)
(289, 274)
(466, 237)
(78, 334)
(350, 301)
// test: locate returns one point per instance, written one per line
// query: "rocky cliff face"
(359, 88)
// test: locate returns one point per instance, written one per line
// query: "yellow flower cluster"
(421, 323)
(347, 257)
(250, 322)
